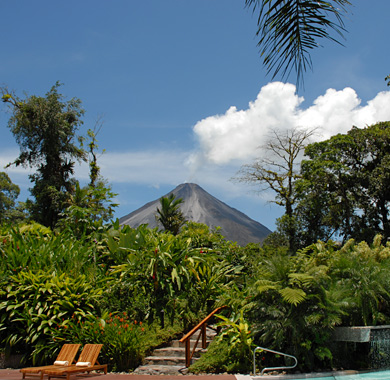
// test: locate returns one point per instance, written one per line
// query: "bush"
(121, 338)
(34, 248)
(231, 351)
(215, 360)
(35, 306)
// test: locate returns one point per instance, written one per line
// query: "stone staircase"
(170, 360)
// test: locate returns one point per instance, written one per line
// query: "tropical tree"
(45, 129)
(291, 306)
(360, 272)
(156, 265)
(278, 170)
(289, 29)
(92, 204)
(345, 185)
(170, 215)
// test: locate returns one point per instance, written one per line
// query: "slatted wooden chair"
(66, 355)
(87, 362)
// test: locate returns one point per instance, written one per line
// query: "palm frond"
(289, 29)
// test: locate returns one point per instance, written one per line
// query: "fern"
(293, 296)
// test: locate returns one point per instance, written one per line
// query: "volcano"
(201, 207)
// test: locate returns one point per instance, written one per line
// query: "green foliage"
(288, 306)
(240, 341)
(58, 287)
(45, 129)
(201, 236)
(169, 215)
(276, 239)
(125, 340)
(34, 305)
(162, 267)
(8, 194)
(89, 206)
(215, 360)
(361, 272)
(87, 209)
(34, 247)
(94, 169)
(121, 338)
(295, 301)
(230, 351)
(345, 186)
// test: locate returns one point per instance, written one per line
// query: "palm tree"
(170, 215)
(289, 29)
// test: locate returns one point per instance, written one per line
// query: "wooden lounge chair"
(87, 362)
(67, 354)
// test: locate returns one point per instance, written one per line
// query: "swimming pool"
(377, 375)
(374, 375)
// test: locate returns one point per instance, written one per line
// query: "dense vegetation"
(133, 289)
(125, 286)
(70, 274)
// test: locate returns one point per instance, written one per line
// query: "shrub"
(121, 338)
(215, 360)
(231, 351)
(33, 247)
(35, 306)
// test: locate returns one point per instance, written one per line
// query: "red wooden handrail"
(186, 338)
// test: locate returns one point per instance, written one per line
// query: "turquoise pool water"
(380, 375)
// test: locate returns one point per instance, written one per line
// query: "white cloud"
(337, 111)
(237, 134)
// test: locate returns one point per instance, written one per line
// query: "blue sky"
(181, 88)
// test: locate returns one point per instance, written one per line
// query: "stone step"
(177, 343)
(164, 360)
(161, 370)
(171, 360)
(175, 352)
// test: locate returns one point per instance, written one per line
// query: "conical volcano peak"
(201, 207)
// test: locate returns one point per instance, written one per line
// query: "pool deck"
(14, 374)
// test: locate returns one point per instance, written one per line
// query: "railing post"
(204, 341)
(202, 326)
(188, 353)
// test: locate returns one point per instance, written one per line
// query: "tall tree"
(45, 129)
(346, 184)
(278, 170)
(290, 29)
(92, 204)
(170, 215)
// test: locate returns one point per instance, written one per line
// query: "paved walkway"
(14, 374)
